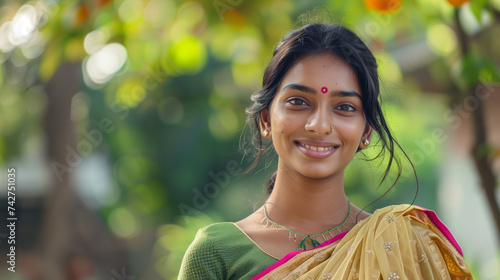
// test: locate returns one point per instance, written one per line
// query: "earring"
(265, 133)
(366, 142)
(331, 129)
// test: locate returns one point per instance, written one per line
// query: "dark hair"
(319, 38)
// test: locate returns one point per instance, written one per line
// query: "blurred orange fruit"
(82, 14)
(103, 3)
(383, 6)
(457, 3)
(235, 18)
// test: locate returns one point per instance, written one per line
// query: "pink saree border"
(431, 214)
(442, 227)
(292, 254)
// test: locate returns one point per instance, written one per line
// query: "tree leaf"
(477, 7)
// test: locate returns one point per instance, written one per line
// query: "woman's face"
(316, 119)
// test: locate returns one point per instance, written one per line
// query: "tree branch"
(483, 166)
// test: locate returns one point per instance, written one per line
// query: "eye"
(297, 101)
(346, 108)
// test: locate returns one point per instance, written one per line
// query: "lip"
(316, 149)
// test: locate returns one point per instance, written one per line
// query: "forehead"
(322, 70)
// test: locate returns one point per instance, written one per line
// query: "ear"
(265, 123)
(367, 135)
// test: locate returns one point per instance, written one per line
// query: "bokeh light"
(130, 170)
(123, 223)
(130, 11)
(441, 39)
(104, 63)
(131, 92)
(160, 12)
(23, 25)
(388, 68)
(223, 123)
(187, 55)
(34, 47)
(5, 44)
(20, 31)
(95, 40)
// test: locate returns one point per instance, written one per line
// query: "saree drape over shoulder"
(395, 243)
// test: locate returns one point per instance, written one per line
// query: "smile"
(322, 151)
(314, 148)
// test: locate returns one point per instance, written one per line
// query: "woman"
(319, 106)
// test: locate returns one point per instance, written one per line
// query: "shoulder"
(216, 228)
(419, 240)
(423, 222)
(204, 259)
(214, 235)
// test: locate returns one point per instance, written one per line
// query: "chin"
(319, 174)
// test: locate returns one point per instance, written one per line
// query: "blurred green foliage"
(177, 104)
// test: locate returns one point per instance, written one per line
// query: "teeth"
(320, 149)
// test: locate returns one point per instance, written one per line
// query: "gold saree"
(395, 243)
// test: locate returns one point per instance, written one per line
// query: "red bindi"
(324, 89)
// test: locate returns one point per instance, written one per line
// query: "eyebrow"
(338, 93)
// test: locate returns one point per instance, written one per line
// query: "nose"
(320, 122)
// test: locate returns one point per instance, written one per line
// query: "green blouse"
(223, 251)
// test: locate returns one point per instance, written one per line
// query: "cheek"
(350, 130)
(283, 122)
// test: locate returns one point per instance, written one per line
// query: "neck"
(307, 205)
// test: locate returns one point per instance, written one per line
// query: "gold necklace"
(302, 243)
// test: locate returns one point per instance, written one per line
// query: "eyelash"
(350, 108)
(294, 101)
